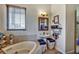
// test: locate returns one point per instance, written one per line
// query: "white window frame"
(8, 18)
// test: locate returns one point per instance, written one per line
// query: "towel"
(77, 41)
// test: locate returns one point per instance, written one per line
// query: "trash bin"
(51, 43)
(42, 44)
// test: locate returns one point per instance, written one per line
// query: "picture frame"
(56, 19)
(43, 23)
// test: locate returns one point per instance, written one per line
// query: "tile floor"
(52, 51)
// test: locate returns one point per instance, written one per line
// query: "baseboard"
(70, 52)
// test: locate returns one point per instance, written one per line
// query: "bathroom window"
(16, 17)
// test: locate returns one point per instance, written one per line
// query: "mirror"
(42, 23)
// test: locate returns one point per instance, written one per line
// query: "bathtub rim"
(10, 46)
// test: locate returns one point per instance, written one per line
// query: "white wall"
(31, 18)
(60, 9)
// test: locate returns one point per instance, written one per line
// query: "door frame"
(75, 33)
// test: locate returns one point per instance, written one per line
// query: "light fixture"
(44, 14)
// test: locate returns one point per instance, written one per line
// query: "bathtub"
(26, 47)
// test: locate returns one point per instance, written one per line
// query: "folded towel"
(77, 41)
(42, 42)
